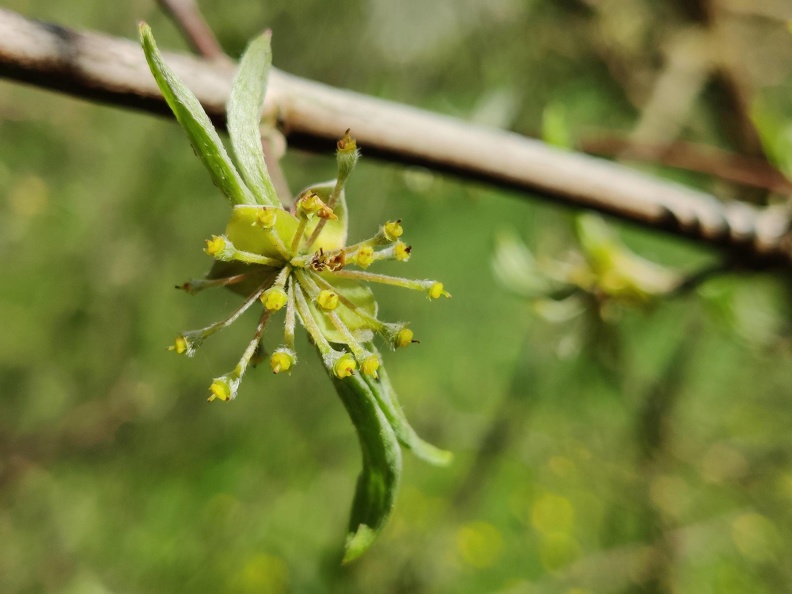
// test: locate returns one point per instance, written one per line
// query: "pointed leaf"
(192, 117)
(244, 114)
(375, 492)
(388, 402)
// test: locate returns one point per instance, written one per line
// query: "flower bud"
(327, 299)
(220, 248)
(403, 338)
(274, 298)
(344, 366)
(436, 291)
(402, 251)
(346, 156)
(392, 230)
(370, 365)
(266, 218)
(364, 256)
(282, 360)
(224, 388)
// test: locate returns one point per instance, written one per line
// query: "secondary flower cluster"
(297, 261)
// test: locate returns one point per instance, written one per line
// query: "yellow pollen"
(327, 299)
(179, 345)
(436, 291)
(364, 256)
(266, 218)
(393, 230)
(281, 361)
(219, 389)
(345, 366)
(274, 298)
(404, 337)
(215, 245)
(370, 365)
(402, 251)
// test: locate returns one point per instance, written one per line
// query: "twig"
(187, 16)
(313, 116)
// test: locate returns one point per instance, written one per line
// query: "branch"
(194, 28)
(312, 116)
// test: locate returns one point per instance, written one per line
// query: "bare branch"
(312, 116)
(194, 28)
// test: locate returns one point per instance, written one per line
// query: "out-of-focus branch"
(728, 166)
(312, 116)
(194, 28)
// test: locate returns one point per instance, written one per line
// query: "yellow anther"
(281, 361)
(216, 245)
(327, 299)
(179, 345)
(402, 251)
(436, 291)
(364, 256)
(370, 365)
(220, 389)
(274, 298)
(345, 366)
(393, 230)
(266, 218)
(404, 338)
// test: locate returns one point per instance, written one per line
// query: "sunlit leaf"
(244, 114)
(192, 117)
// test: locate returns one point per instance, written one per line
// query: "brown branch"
(194, 28)
(312, 116)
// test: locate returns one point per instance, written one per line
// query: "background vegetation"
(647, 453)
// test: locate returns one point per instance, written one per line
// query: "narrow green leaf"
(244, 113)
(378, 481)
(383, 391)
(192, 117)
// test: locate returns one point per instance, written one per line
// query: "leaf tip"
(357, 543)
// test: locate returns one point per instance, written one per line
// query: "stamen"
(225, 387)
(433, 289)
(307, 319)
(193, 286)
(194, 338)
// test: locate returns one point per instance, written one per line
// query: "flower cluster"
(297, 261)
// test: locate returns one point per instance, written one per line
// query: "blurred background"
(602, 444)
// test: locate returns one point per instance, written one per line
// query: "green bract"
(298, 261)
